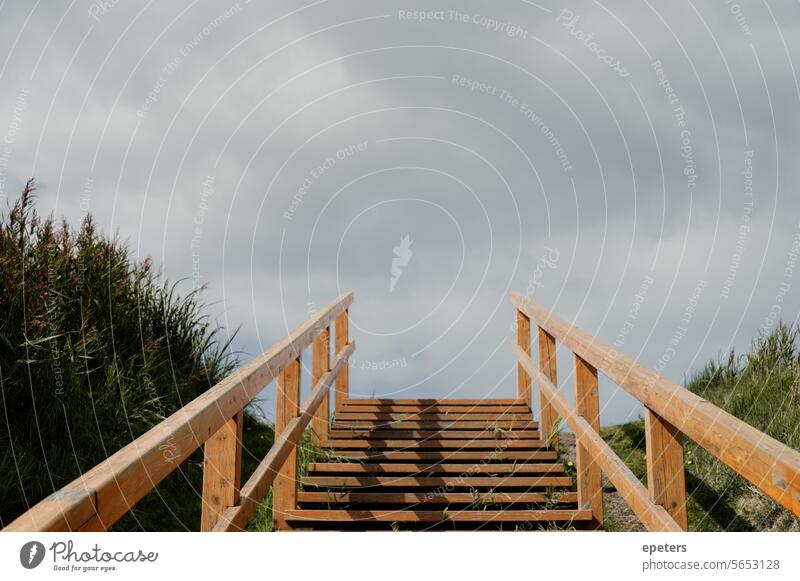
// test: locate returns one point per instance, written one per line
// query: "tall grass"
(94, 351)
(762, 388)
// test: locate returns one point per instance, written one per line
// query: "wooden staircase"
(436, 465)
(427, 464)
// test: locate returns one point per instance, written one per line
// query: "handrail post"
(222, 471)
(524, 342)
(287, 407)
(342, 338)
(320, 365)
(666, 480)
(547, 363)
(587, 404)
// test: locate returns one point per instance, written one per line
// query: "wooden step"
(435, 434)
(431, 444)
(432, 516)
(444, 402)
(434, 482)
(413, 498)
(448, 455)
(441, 402)
(437, 464)
(345, 468)
(435, 409)
(432, 425)
(347, 416)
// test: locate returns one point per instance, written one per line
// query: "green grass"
(309, 452)
(94, 351)
(761, 388)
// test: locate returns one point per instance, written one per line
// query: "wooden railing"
(671, 412)
(96, 500)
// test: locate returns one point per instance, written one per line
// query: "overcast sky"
(630, 166)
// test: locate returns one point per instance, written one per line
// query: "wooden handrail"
(653, 516)
(236, 517)
(97, 499)
(771, 466)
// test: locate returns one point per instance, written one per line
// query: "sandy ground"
(619, 517)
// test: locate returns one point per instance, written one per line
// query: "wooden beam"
(435, 516)
(287, 406)
(433, 425)
(666, 480)
(445, 416)
(446, 482)
(110, 489)
(524, 343)
(489, 411)
(426, 469)
(235, 518)
(587, 405)
(222, 471)
(771, 466)
(445, 455)
(447, 498)
(434, 402)
(450, 434)
(438, 444)
(342, 339)
(652, 516)
(547, 362)
(320, 365)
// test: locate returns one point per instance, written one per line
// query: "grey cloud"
(258, 125)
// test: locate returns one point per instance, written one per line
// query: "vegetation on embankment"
(94, 351)
(761, 388)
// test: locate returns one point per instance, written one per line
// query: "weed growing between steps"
(309, 452)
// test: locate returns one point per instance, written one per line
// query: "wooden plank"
(320, 365)
(451, 417)
(771, 466)
(402, 409)
(654, 517)
(410, 516)
(341, 339)
(68, 509)
(236, 517)
(434, 434)
(434, 482)
(433, 425)
(222, 471)
(506, 498)
(116, 485)
(353, 468)
(449, 455)
(524, 343)
(438, 402)
(666, 480)
(287, 400)
(435, 444)
(548, 365)
(587, 405)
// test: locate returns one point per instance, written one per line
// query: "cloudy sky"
(630, 166)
